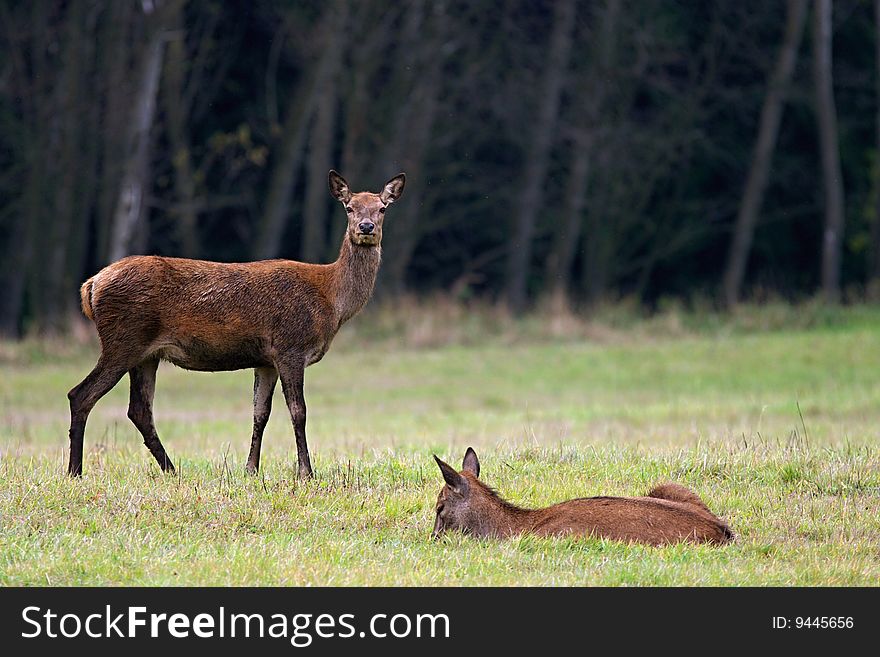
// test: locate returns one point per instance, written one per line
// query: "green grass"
(714, 408)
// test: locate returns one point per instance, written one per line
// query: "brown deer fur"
(670, 513)
(275, 316)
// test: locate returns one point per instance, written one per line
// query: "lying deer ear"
(393, 188)
(338, 187)
(471, 463)
(452, 478)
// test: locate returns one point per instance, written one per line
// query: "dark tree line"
(573, 151)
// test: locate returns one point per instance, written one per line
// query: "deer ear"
(338, 187)
(471, 463)
(452, 478)
(393, 188)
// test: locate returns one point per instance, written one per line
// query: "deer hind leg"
(265, 379)
(292, 372)
(140, 409)
(83, 398)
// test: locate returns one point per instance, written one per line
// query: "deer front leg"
(265, 379)
(291, 372)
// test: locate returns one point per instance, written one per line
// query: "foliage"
(662, 98)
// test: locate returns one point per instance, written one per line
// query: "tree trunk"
(355, 119)
(355, 102)
(321, 141)
(84, 205)
(412, 144)
(115, 74)
(759, 172)
(186, 215)
(64, 215)
(591, 98)
(874, 264)
(13, 269)
(367, 54)
(595, 273)
(295, 133)
(529, 199)
(405, 229)
(130, 216)
(561, 258)
(32, 86)
(86, 130)
(42, 173)
(832, 178)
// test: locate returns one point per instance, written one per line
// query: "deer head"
(464, 503)
(365, 210)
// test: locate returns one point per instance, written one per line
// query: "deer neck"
(501, 518)
(355, 277)
(517, 520)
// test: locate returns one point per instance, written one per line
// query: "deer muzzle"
(438, 528)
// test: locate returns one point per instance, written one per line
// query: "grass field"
(778, 430)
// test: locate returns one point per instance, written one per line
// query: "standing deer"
(276, 316)
(670, 513)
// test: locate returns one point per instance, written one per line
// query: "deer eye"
(440, 509)
(381, 210)
(349, 209)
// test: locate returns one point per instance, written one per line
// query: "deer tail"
(85, 296)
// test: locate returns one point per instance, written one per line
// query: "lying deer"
(275, 316)
(669, 514)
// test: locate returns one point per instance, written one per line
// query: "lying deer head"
(366, 210)
(464, 503)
